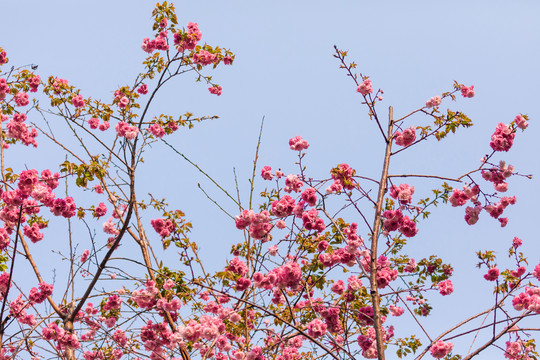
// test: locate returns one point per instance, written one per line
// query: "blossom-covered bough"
(321, 271)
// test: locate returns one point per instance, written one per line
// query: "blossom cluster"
(395, 220)
(258, 223)
(434, 102)
(368, 342)
(406, 137)
(467, 91)
(527, 300)
(32, 192)
(17, 129)
(517, 350)
(440, 349)
(403, 193)
(123, 129)
(158, 43)
(503, 138)
(365, 87)
(298, 144)
(163, 227)
(343, 179)
(385, 273)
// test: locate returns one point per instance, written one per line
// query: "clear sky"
(284, 71)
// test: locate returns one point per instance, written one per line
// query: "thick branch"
(374, 240)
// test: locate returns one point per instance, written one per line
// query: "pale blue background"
(284, 71)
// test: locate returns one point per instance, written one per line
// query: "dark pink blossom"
(310, 196)
(33, 232)
(21, 99)
(402, 192)
(283, 207)
(298, 144)
(445, 287)
(293, 183)
(237, 267)
(266, 173)
(492, 274)
(163, 227)
(312, 221)
(467, 92)
(78, 101)
(521, 122)
(216, 90)
(100, 210)
(405, 138)
(440, 349)
(143, 89)
(316, 328)
(503, 138)
(343, 175)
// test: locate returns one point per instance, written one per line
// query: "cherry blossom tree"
(321, 268)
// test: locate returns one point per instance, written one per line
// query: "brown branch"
(491, 341)
(374, 241)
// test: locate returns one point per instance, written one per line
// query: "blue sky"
(284, 71)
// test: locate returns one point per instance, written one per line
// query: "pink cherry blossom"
(312, 221)
(104, 126)
(298, 144)
(405, 138)
(472, 214)
(123, 102)
(293, 183)
(100, 210)
(536, 272)
(266, 173)
(84, 256)
(78, 101)
(316, 328)
(204, 57)
(503, 138)
(34, 82)
(157, 130)
(93, 122)
(433, 102)
(280, 224)
(440, 349)
(338, 287)
(123, 129)
(163, 227)
(521, 122)
(33, 232)
(110, 228)
(516, 350)
(519, 272)
(310, 196)
(408, 227)
(143, 89)
(238, 267)
(21, 99)
(365, 87)
(396, 310)
(467, 92)
(445, 287)
(402, 192)
(283, 207)
(343, 176)
(492, 274)
(216, 90)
